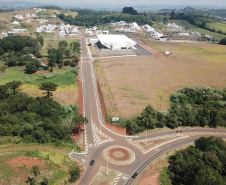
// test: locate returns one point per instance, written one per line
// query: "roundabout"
(118, 155)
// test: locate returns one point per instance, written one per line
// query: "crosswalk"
(120, 176)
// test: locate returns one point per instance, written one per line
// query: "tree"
(74, 174)
(14, 85)
(30, 180)
(149, 117)
(31, 68)
(129, 10)
(223, 41)
(62, 44)
(75, 46)
(35, 170)
(78, 120)
(45, 181)
(67, 53)
(41, 40)
(48, 87)
(3, 92)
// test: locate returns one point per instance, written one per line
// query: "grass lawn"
(47, 35)
(102, 178)
(15, 166)
(66, 93)
(200, 30)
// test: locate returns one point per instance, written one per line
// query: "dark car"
(92, 163)
(134, 175)
(179, 131)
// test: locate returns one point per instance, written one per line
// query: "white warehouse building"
(116, 42)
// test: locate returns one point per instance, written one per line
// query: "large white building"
(116, 42)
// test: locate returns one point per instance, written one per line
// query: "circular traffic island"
(118, 155)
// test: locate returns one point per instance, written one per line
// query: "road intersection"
(98, 137)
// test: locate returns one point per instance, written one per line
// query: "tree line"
(89, 20)
(199, 20)
(191, 106)
(204, 163)
(36, 120)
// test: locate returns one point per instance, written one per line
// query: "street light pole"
(146, 136)
(100, 128)
(107, 167)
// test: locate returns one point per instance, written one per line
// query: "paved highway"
(94, 150)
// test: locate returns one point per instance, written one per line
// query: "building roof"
(115, 39)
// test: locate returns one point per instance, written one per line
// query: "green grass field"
(200, 30)
(47, 35)
(217, 26)
(65, 12)
(17, 73)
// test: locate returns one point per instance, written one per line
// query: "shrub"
(67, 62)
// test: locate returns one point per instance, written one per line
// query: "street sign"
(115, 119)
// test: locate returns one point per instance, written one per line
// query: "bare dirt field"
(130, 84)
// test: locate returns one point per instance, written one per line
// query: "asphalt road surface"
(94, 150)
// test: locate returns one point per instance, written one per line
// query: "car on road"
(134, 175)
(179, 131)
(92, 163)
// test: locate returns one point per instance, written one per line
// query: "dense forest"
(7, 10)
(90, 18)
(50, 7)
(205, 11)
(204, 163)
(36, 120)
(191, 106)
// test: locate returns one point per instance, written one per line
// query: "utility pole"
(179, 130)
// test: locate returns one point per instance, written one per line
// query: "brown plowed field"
(130, 84)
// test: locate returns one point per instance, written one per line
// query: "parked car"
(92, 163)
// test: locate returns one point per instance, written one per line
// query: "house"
(27, 15)
(105, 32)
(183, 34)
(61, 33)
(15, 22)
(4, 34)
(20, 30)
(18, 17)
(12, 33)
(122, 23)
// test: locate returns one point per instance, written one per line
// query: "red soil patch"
(148, 48)
(28, 161)
(114, 128)
(115, 150)
(153, 179)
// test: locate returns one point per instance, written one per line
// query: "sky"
(134, 2)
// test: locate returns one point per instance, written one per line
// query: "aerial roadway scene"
(112, 92)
